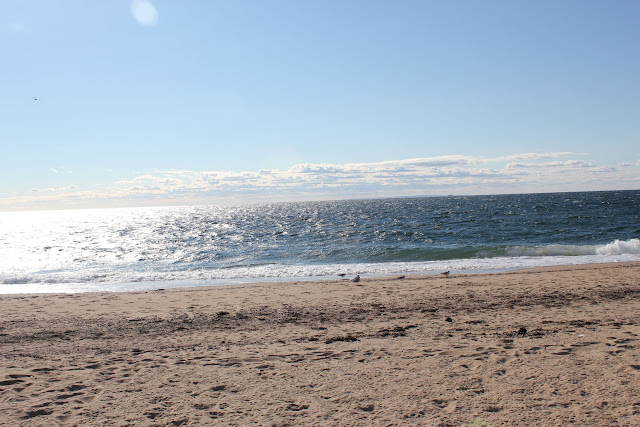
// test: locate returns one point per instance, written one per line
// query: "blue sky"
(152, 102)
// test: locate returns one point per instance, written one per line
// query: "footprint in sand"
(36, 413)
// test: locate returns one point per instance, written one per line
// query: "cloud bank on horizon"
(441, 175)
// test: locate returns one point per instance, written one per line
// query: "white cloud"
(144, 12)
(57, 171)
(535, 156)
(442, 175)
(564, 164)
(53, 189)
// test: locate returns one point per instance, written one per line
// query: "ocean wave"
(16, 280)
(500, 259)
(617, 247)
(620, 247)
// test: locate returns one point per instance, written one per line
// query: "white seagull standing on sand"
(356, 279)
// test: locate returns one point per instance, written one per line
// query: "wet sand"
(551, 346)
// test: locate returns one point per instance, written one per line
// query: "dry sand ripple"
(550, 346)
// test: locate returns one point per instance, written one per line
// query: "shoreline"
(551, 345)
(148, 286)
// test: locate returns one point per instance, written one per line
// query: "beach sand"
(550, 346)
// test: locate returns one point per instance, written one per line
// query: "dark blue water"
(180, 245)
(439, 228)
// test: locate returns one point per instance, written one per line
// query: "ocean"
(136, 249)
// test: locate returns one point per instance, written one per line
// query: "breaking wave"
(617, 247)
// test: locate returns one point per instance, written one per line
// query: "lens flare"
(144, 12)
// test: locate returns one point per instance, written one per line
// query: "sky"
(156, 102)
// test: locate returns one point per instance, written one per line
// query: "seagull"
(356, 279)
(446, 273)
(35, 99)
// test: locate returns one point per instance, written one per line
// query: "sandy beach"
(551, 346)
